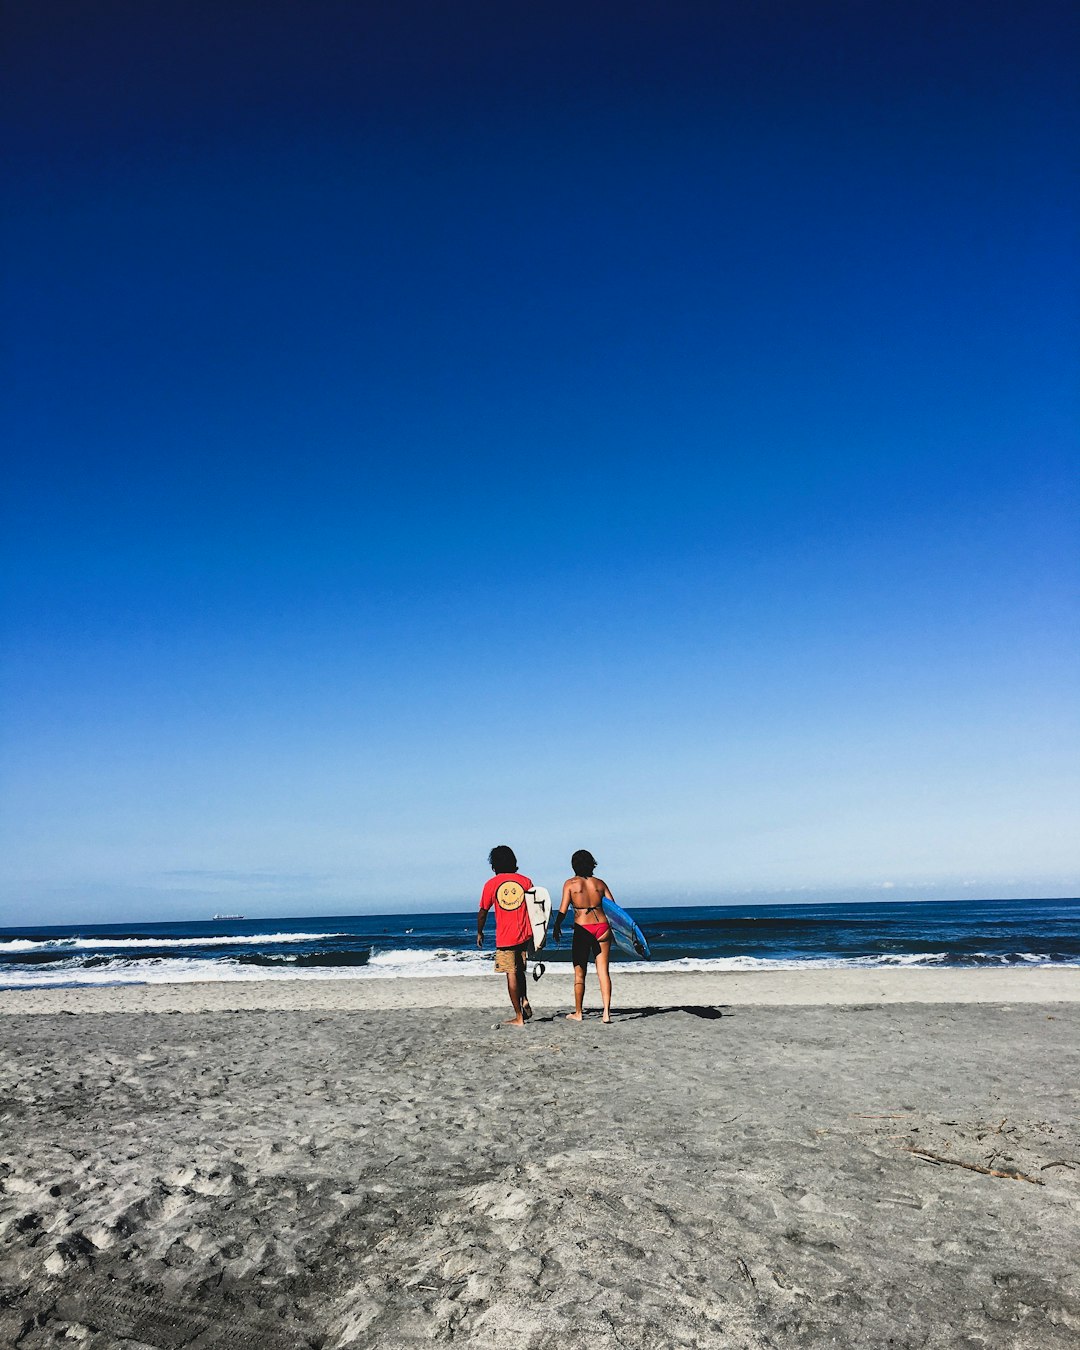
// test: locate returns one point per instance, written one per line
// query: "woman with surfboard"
(592, 930)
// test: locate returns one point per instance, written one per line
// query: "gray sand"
(701, 1175)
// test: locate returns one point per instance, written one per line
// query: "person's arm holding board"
(563, 907)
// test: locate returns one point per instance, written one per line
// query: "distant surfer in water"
(592, 932)
(513, 927)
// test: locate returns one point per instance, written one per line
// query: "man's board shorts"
(510, 958)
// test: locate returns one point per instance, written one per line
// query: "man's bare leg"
(523, 990)
(604, 978)
(579, 995)
(515, 998)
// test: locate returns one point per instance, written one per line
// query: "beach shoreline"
(818, 987)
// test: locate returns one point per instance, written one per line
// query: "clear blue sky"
(645, 427)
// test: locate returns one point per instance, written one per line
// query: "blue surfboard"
(627, 934)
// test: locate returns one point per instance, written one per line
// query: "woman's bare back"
(587, 896)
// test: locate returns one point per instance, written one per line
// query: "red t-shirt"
(506, 892)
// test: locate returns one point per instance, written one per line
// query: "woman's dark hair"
(583, 863)
(502, 858)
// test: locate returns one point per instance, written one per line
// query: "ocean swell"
(333, 957)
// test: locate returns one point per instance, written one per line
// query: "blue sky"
(650, 428)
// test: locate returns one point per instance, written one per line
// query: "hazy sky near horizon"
(645, 427)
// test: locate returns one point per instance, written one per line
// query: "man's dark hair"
(583, 863)
(502, 858)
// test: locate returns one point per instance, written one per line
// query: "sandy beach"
(379, 1163)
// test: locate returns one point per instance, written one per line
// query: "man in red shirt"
(513, 928)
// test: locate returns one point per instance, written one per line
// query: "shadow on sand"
(706, 1011)
(710, 1012)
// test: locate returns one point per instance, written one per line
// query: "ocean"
(986, 933)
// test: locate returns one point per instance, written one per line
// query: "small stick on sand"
(1057, 1164)
(972, 1167)
(863, 1115)
(746, 1272)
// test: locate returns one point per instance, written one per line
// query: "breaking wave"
(98, 942)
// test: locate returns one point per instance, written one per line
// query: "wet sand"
(377, 1163)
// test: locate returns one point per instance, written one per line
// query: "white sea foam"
(892, 961)
(411, 957)
(187, 970)
(98, 943)
(411, 963)
(734, 964)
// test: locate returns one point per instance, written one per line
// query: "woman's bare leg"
(603, 976)
(579, 994)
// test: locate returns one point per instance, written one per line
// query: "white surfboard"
(538, 903)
